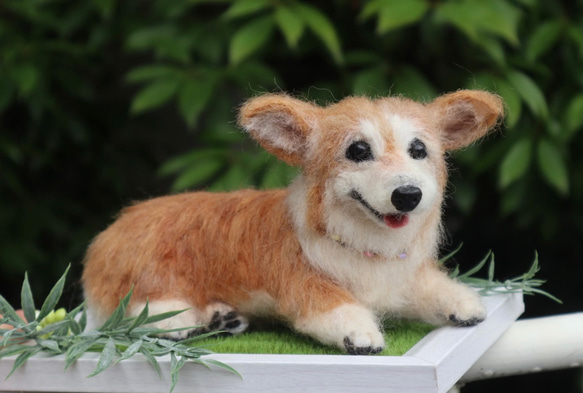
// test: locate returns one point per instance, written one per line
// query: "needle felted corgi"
(354, 239)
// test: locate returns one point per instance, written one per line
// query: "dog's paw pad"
(356, 350)
(457, 321)
(231, 322)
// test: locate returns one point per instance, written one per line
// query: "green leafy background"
(103, 102)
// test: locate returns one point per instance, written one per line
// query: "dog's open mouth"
(398, 220)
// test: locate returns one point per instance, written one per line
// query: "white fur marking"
(348, 320)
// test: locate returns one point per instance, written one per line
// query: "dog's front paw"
(231, 322)
(225, 318)
(457, 321)
(362, 347)
(469, 312)
(351, 327)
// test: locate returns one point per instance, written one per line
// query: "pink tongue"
(396, 220)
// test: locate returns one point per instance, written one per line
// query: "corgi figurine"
(352, 241)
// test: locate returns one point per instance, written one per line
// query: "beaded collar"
(366, 253)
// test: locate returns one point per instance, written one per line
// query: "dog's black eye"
(359, 151)
(417, 149)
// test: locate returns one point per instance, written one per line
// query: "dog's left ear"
(466, 115)
(280, 124)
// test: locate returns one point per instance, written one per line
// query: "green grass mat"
(399, 337)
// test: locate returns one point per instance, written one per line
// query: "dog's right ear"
(280, 124)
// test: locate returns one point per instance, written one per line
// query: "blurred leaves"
(250, 38)
(98, 96)
(516, 162)
(393, 14)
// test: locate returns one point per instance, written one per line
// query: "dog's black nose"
(406, 198)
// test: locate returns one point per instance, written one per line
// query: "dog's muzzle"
(406, 198)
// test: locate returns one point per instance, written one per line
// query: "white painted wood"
(454, 350)
(433, 365)
(533, 345)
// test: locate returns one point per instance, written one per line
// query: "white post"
(533, 345)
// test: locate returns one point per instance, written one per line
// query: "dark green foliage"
(105, 101)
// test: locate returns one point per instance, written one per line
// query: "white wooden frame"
(434, 364)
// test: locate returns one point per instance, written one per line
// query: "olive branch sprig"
(525, 283)
(119, 337)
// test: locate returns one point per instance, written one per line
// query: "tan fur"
(310, 254)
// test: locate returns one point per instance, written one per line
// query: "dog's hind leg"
(216, 316)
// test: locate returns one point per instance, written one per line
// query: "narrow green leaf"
(575, 34)
(491, 269)
(163, 316)
(76, 350)
(8, 312)
(22, 358)
(515, 163)
(132, 350)
(573, 118)
(27, 78)
(186, 160)
(107, 358)
(151, 359)
(290, 24)
(242, 8)
(118, 314)
(154, 95)
(27, 301)
(473, 17)
(223, 366)
(371, 82)
(74, 326)
(140, 319)
(51, 345)
(53, 297)
(552, 165)
(530, 93)
(534, 268)
(144, 73)
(57, 328)
(175, 366)
(499, 17)
(448, 256)
(83, 320)
(198, 337)
(493, 48)
(371, 7)
(250, 38)
(459, 14)
(148, 331)
(411, 83)
(398, 13)
(197, 174)
(193, 96)
(542, 39)
(512, 101)
(151, 37)
(319, 23)
(476, 268)
(12, 349)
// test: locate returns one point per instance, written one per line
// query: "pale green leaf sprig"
(525, 283)
(119, 337)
